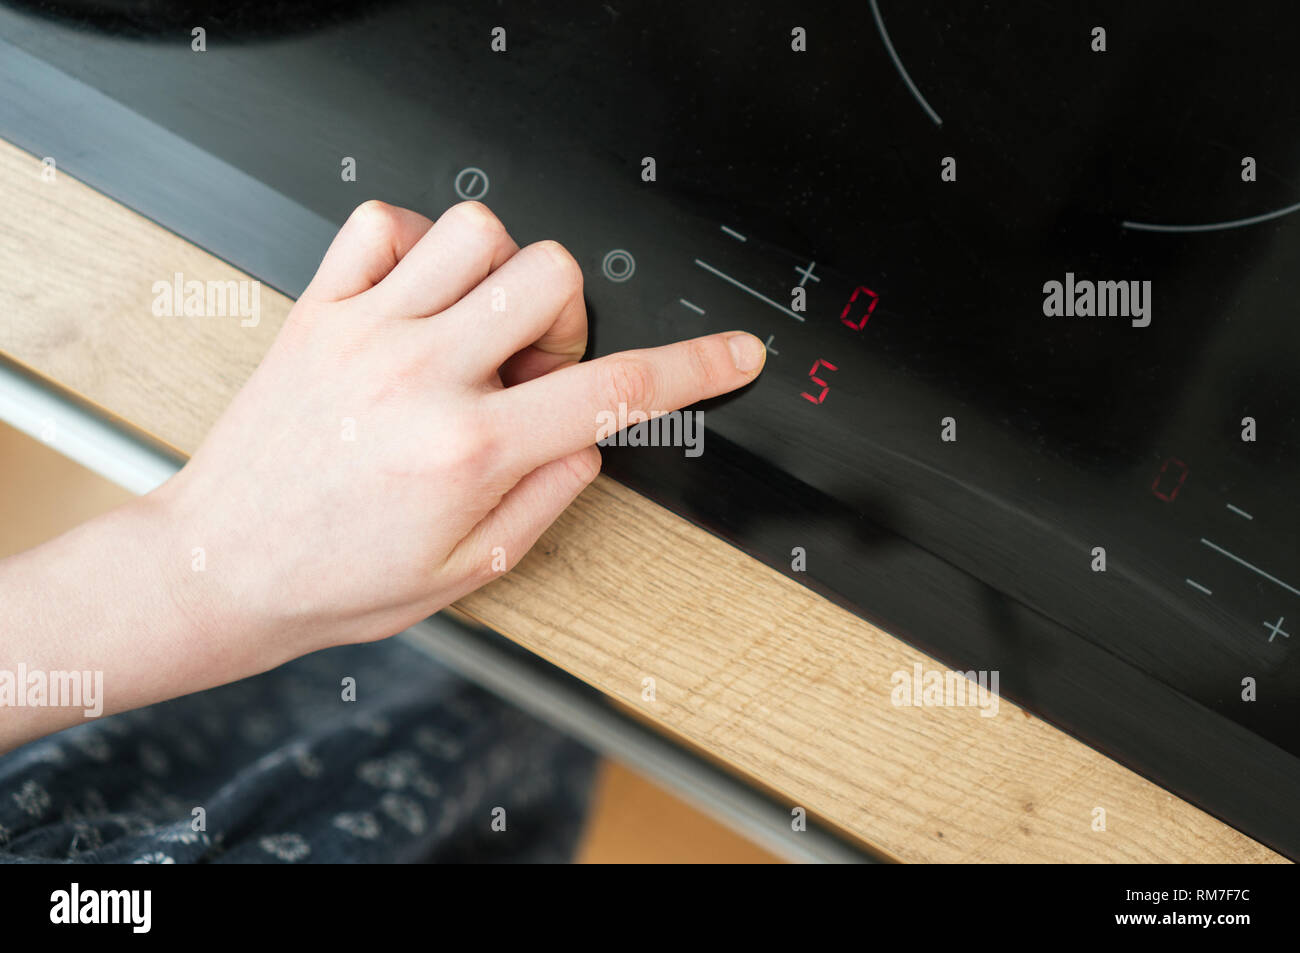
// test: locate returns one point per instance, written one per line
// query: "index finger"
(561, 412)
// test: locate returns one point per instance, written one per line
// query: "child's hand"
(420, 417)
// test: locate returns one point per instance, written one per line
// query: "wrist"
(113, 601)
(208, 625)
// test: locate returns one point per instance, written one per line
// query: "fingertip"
(748, 353)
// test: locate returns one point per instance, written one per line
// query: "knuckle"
(584, 466)
(488, 565)
(562, 267)
(705, 362)
(629, 381)
(478, 220)
(375, 218)
(474, 448)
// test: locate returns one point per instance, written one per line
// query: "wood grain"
(770, 679)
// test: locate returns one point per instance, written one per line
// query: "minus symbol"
(733, 233)
(1196, 585)
(694, 307)
(1240, 512)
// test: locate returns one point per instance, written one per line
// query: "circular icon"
(618, 265)
(471, 183)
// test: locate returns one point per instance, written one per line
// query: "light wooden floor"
(42, 494)
(635, 821)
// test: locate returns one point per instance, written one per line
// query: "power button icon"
(471, 183)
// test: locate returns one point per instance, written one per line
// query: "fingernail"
(747, 351)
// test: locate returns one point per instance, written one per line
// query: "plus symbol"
(807, 273)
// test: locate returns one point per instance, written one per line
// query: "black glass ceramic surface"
(923, 293)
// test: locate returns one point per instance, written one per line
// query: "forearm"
(110, 604)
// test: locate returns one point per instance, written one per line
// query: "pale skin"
(421, 415)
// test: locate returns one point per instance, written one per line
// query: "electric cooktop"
(1028, 275)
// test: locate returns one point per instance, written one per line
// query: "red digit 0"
(1170, 479)
(867, 306)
